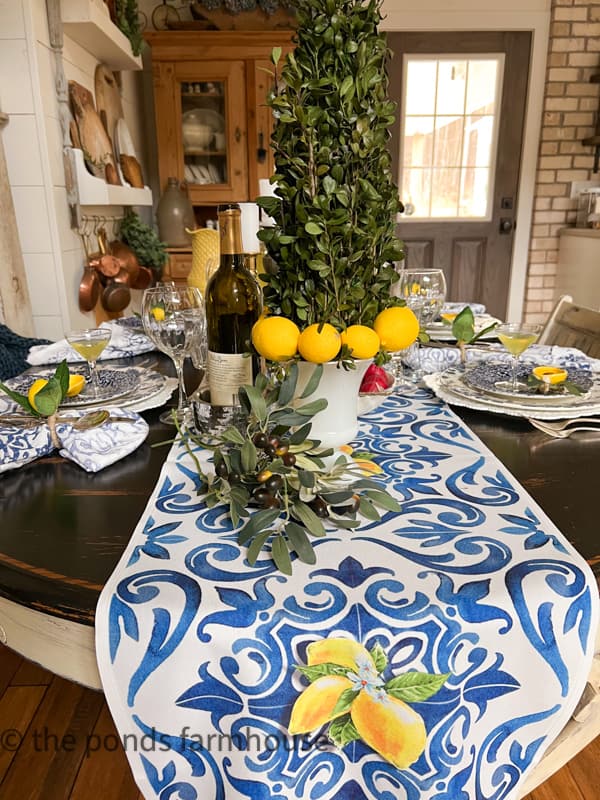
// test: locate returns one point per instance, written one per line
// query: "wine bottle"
(233, 305)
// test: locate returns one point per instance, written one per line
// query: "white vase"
(338, 423)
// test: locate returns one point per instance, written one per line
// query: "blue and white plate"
(486, 375)
(112, 384)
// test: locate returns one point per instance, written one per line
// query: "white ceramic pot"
(338, 423)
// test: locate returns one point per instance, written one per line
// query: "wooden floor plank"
(18, 705)
(46, 764)
(585, 769)
(105, 771)
(561, 786)
(30, 674)
(9, 664)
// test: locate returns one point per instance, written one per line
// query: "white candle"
(250, 225)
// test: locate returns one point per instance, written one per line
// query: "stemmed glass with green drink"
(90, 344)
(516, 338)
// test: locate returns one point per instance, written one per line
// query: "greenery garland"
(127, 20)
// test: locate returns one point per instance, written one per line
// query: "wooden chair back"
(571, 325)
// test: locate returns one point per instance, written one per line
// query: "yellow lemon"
(390, 727)
(550, 374)
(449, 317)
(158, 313)
(76, 384)
(397, 327)
(276, 338)
(362, 341)
(345, 652)
(315, 705)
(319, 346)
(34, 389)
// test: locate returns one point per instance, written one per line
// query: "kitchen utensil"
(95, 143)
(564, 434)
(127, 258)
(115, 296)
(89, 289)
(91, 419)
(261, 153)
(127, 156)
(108, 103)
(144, 279)
(564, 428)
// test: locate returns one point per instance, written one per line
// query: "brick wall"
(570, 111)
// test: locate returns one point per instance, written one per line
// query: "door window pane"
(421, 87)
(448, 135)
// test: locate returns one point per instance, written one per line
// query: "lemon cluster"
(279, 339)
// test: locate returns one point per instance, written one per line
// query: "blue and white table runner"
(198, 651)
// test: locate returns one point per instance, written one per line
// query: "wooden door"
(470, 239)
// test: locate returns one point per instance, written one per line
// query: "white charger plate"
(450, 387)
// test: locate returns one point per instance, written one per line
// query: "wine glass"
(424, 291)
(89, 344)
(516, 338)
(172, 316)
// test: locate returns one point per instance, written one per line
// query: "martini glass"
(173, 319)
(516, 338)
(90, 344)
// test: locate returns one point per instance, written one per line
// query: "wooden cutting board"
(108, 101)
(96, 146)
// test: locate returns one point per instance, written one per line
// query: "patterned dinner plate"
(442, 331)
(451, 387)
(486, 375)
(112, 383)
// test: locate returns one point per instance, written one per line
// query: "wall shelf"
(96, 192)
(88, 23)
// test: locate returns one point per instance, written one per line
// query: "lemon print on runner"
(550, 375)
(347, 690)
(391, 727)
(35, 387)
(316, 705)
(319, 346)
(76, 384)
(275, 338)
(397, 327)
(362, 341)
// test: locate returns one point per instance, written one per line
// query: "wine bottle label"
(226, 373)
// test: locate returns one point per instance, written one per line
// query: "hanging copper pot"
(89, 289)
(115, 296)
(127, 258)
(145, 278)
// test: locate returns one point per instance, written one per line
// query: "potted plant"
(334, 242)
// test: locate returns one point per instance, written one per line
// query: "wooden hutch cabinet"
(212, 123)
(213, 126)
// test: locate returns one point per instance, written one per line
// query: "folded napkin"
(92, 450)
(455, 308)
(437, 359)
(125, 341)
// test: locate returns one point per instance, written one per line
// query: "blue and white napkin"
(437, 359)
(456, 308)
(124, 342)
(92, 450)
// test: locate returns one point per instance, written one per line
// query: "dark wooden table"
(63, 530)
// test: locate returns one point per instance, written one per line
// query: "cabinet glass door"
(212, 128)
(203, 132)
